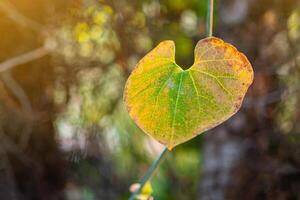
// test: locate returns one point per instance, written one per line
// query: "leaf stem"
(210, 17)
(149, 173)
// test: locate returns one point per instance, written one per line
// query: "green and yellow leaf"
(174, 105)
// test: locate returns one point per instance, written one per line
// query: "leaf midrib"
(175, 109)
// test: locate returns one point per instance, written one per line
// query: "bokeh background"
(64, 132)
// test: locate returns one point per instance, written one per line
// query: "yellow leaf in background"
(145, 193)
(147, 189)
(174, 105)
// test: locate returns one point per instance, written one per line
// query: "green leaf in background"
(174, 105)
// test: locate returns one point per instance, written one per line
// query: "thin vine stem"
(210, 17)
(149, 173)
(155, 164)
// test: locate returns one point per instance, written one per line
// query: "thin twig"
(15, 87)
(24, 58)
(210, 17)
(17, 91)
(12, 147)
(12, 12)
(149, 173)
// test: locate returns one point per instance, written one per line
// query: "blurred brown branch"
(15, 87)
(24, 58)
(19, 18)
(17, 90)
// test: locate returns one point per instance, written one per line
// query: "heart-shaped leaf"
(174, 105)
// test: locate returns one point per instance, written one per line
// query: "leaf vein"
(216, 79)
(175, 109)
(217, 60)
(195, 88)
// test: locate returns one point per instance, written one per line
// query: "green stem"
(149, 173)
(210, 17)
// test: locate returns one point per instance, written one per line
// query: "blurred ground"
(65, 134)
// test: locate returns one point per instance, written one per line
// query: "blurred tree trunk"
(221, 151)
